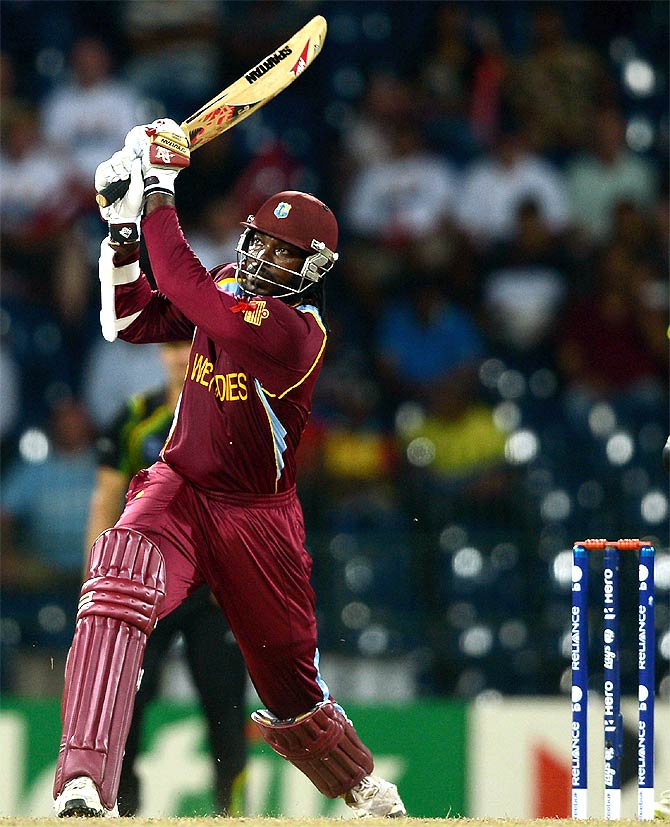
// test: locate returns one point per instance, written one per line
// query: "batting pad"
(323, 744)
(118, 610)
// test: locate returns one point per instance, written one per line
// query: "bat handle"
(112, 192)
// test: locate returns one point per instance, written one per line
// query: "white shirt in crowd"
(492, 194)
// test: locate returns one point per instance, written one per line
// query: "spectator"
(633, 229)
(89, 115)
(450, 61)
(447, 75)
(33, 179)
(182, 35)
(455, 465)
(608, 345)
(393, 203)
(524, 286)
(44, 502)
(409, 195)
(30, 338)
(347, 455)
(386, 102)
(606, 175)
(44, 253)
(429, 351)
(495, 186)
(425, 344)
(271, 166)
(555, 90)
(132, 442)
(488, 82)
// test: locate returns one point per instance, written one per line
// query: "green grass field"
(315, 822)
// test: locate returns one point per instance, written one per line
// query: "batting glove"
(123, 216)
(164, 150)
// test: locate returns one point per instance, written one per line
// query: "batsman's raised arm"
(149, 162)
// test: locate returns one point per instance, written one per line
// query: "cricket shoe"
(80, 797)
(374, 798)
(662, 807)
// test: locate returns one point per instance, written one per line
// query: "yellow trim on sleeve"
(318, 355)
(227, 280)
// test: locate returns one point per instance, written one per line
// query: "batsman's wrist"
(126, 232)
(159, 180)
(125, 254)
(158, 199)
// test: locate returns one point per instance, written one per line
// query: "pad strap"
(323, 744)
(118, 611)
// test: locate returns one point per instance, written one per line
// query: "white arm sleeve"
(110, 277)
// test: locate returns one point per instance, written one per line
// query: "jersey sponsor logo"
(275, 59)
(226, 387)
(256, 315)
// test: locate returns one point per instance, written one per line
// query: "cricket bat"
(254, 89)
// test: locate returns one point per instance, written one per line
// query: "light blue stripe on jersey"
(309, 308)
(278, 430)
(228, 285)
(319, 680)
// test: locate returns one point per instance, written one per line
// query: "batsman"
(220, 505)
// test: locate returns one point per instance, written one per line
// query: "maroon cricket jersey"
(251, 373)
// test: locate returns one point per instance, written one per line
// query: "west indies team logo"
(282, 209)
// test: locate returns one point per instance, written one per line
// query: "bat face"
(257, 86)
(217, 120)
(254, 89)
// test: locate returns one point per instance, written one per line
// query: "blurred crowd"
(496, 384)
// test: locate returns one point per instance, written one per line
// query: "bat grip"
(112, 192)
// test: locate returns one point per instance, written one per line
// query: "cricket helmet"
(299, 219)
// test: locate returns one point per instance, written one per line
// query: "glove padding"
(164, 150)
(123, 216)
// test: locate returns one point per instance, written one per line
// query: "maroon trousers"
(251, 552)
